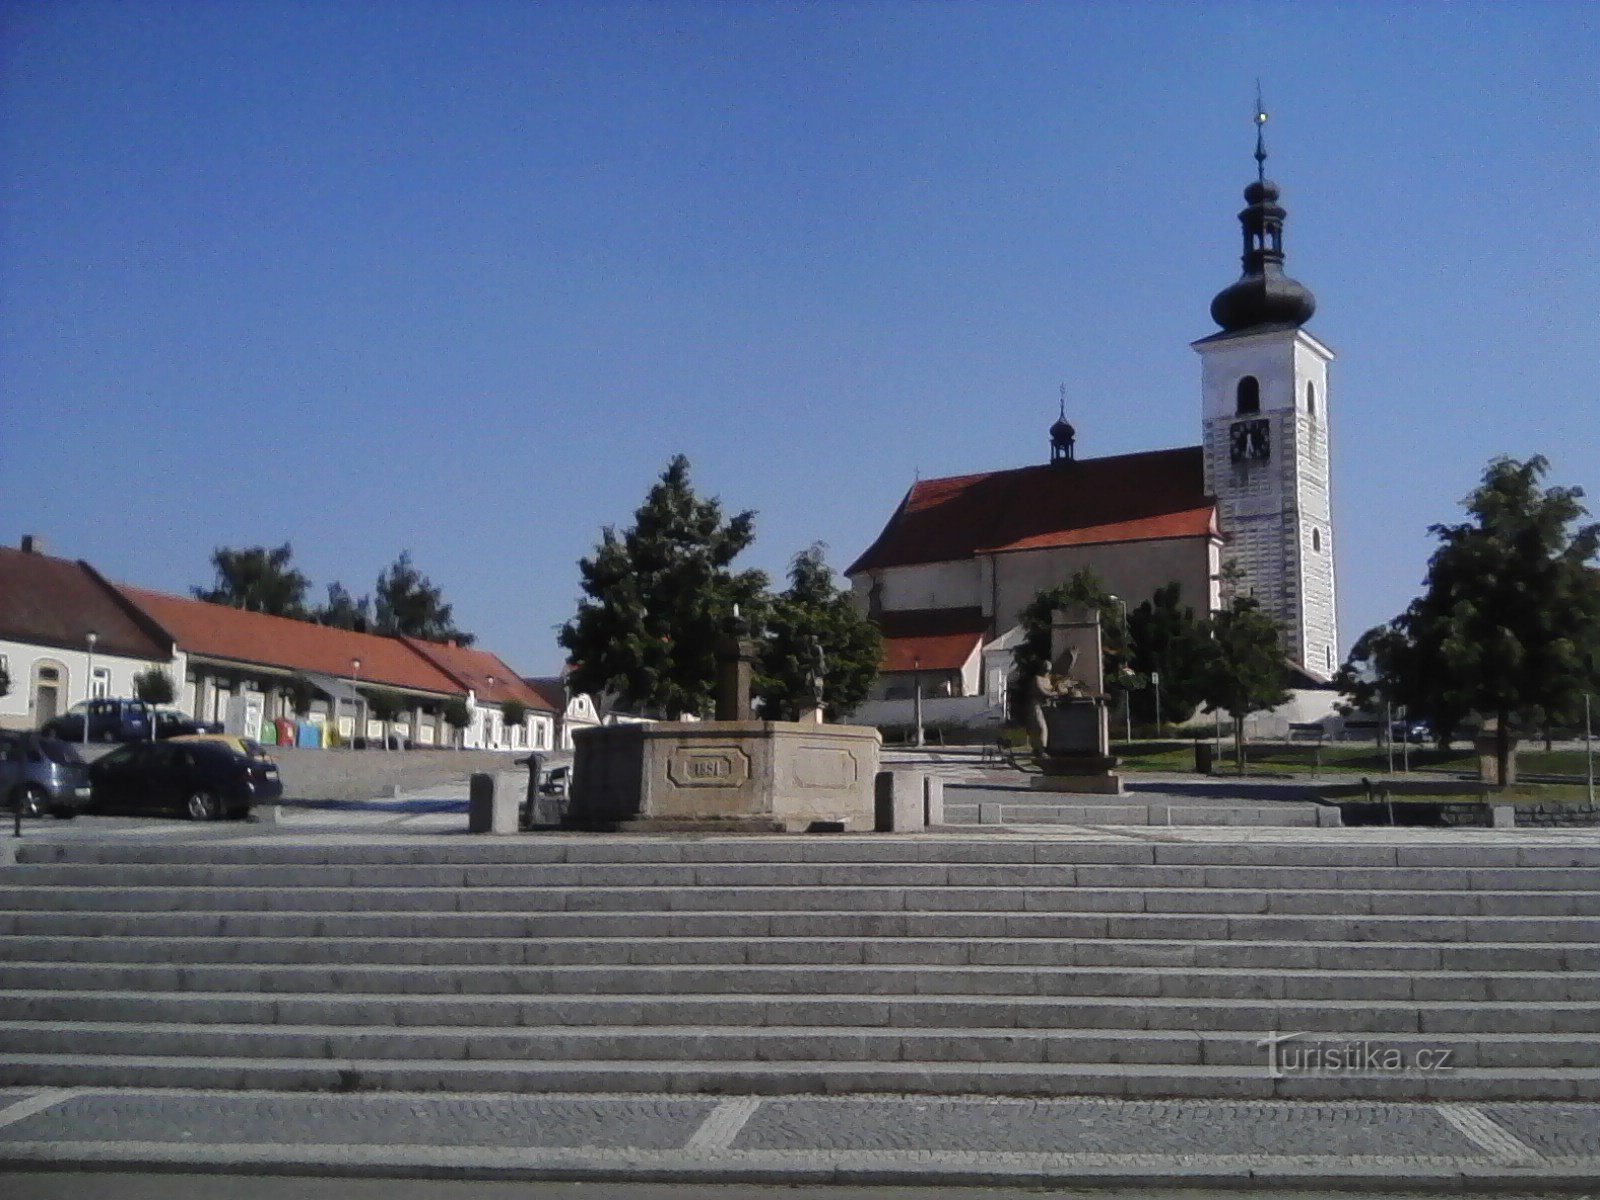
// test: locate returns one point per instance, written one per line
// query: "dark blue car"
(202, 780)
(109, 721)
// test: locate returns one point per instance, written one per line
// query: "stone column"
(735, 672)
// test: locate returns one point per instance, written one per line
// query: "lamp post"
(1127, 655)
(1588, 744)
(355, 686)
(88, 685)
(916, 667)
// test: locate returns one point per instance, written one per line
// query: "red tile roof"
(934, 639)
(55, 602)
(1152, 495)
(475, 669)
(217, 631)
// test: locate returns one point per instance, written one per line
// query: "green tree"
(344, 611)
(1244, 669)
(457, 715)
(257, 579)
(301, 695)
(813, 614)
(513, 713)
(154, 686)
(1508, 624)
(659, 598)
(408, 603)
(385, 706)
(1169, 649)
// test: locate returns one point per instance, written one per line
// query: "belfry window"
(1249, 395)
(1311, 399)
(1316, 540)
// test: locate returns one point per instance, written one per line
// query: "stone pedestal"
(750, 775)
(1077, 754)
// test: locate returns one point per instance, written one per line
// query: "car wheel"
(202, 805)
(31, 799)
(63, 812)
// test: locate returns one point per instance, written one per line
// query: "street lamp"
(1127, 692)
(88, 686)
(355, 687)
(916, 668)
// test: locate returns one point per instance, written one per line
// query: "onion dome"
(1263, 294)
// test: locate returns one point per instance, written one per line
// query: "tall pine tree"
(658, 600)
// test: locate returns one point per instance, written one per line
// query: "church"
(961, 557)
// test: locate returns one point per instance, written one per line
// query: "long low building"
(67, 634)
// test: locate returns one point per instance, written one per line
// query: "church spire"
(1263, 294)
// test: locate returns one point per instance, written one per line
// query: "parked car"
(248, 747)
(42, 774)
(202, 779)
(174, 722)
(109, 721)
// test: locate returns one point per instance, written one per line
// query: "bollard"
(1503, 816)
(490, 809)
(898, 801)
(933, 801)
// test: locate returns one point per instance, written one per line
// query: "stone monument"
(731, 773)
(1068, 724)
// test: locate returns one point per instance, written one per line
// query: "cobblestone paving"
(1091, 1127)
(1555, 1130)
(649, 1123)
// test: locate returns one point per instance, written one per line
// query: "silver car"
(42, 775)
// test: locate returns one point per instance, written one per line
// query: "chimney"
(32, 544)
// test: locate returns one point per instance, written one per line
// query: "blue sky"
(460, 278)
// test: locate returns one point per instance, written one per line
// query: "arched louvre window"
(1249, 395)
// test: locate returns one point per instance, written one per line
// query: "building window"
(1316, 540)
(100, 686)
(1248, 396)
(1311, 399)
(1330, 657)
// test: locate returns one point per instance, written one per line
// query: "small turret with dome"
(1263, 295)
(1063, 436)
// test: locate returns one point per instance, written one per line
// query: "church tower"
(1264, 388)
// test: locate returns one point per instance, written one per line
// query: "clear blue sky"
(460, 277)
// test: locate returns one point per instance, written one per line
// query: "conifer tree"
(658, 600)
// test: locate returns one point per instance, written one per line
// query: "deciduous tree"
(1244, 669)
(659, 597)
(154, 686)
(1168, 649)
(257, 579)
(1508, 624)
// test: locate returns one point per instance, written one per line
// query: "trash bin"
(1205, 757)
(285, 731)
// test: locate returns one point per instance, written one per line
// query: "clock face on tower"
(1250, 441)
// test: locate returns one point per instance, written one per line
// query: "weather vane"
(1063, 402)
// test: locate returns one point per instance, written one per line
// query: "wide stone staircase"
(952, 964)
(990, 805)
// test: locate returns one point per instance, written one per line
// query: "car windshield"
(60, 752)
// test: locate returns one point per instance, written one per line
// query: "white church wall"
(931, 585)
(1131, 570)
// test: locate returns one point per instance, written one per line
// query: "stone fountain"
(731, 773)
